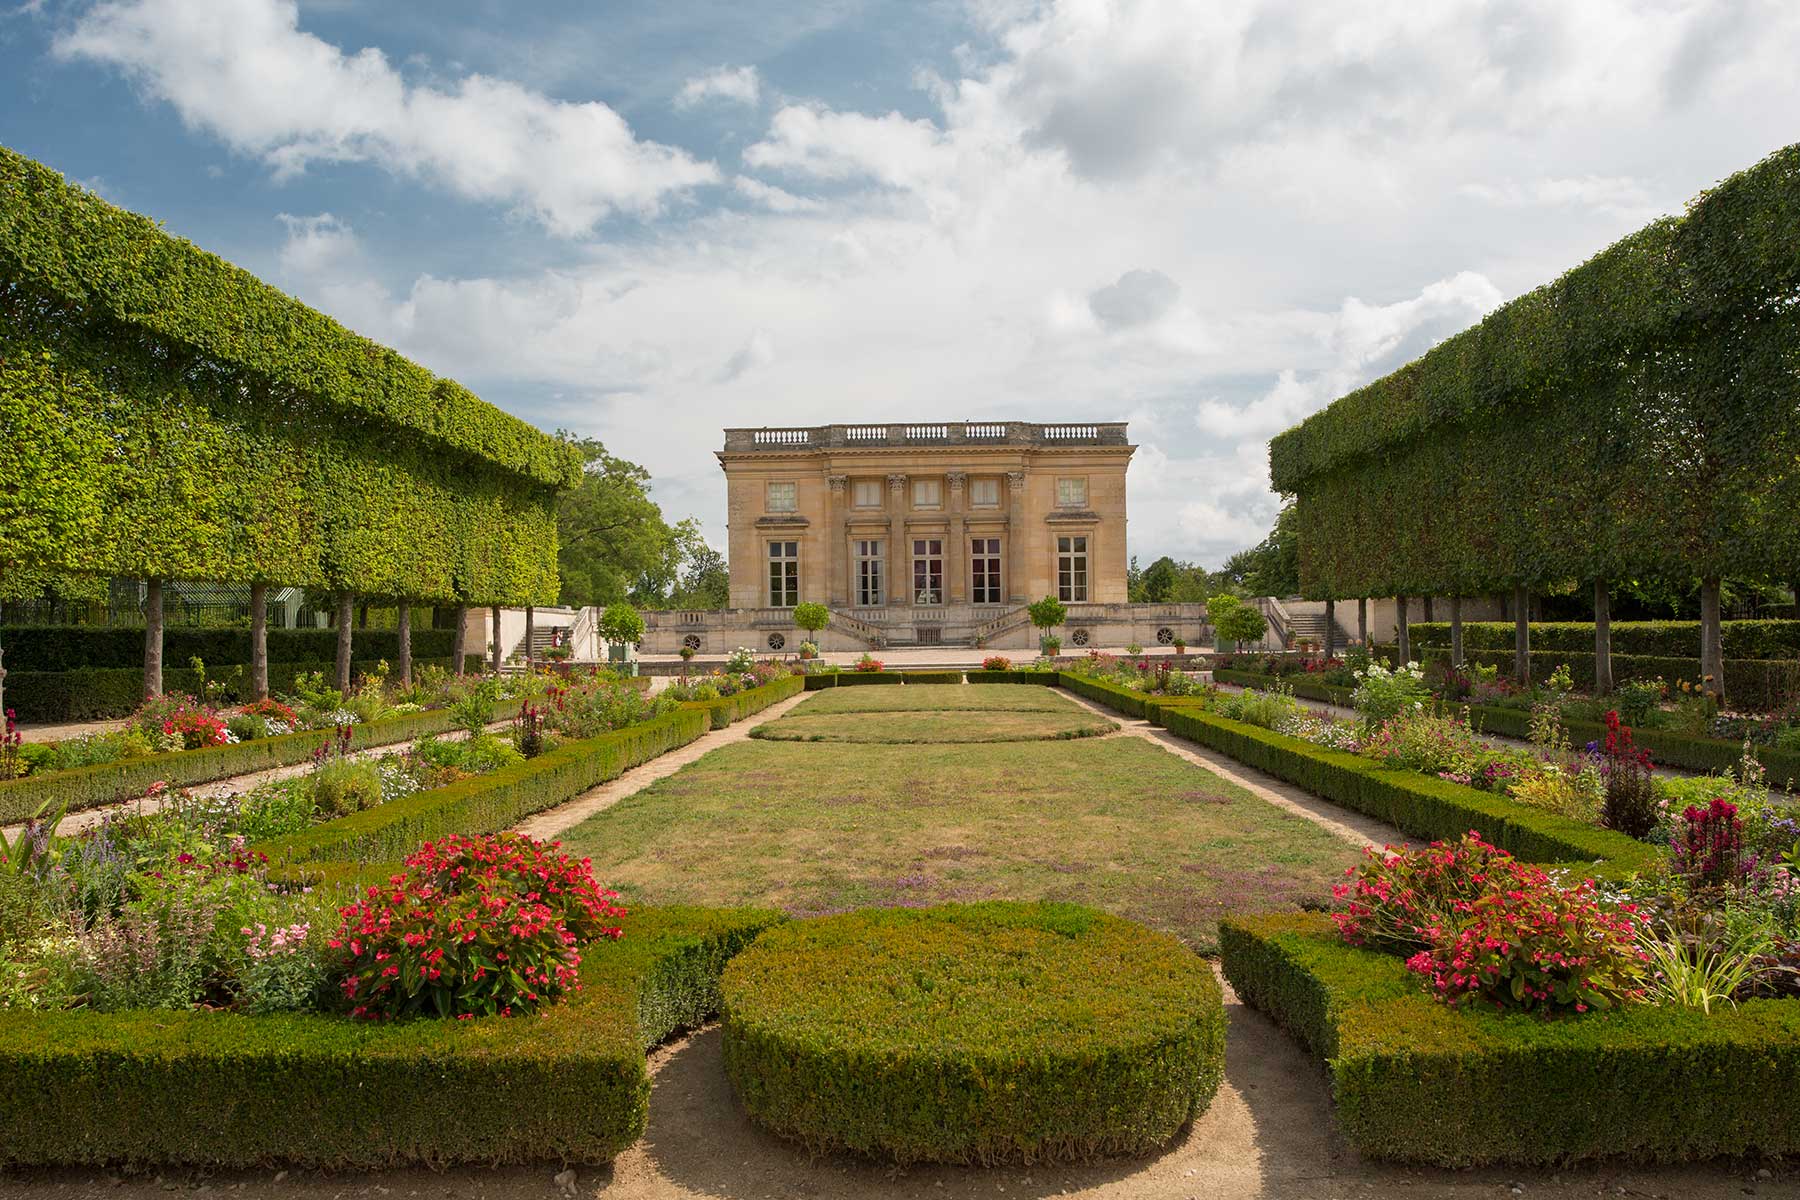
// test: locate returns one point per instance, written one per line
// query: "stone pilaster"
(837, 530)
(1016, 537)
(957, 568)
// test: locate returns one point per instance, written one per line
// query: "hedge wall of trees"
(168, 415)
(1640, 416)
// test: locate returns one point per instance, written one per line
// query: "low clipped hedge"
(75, 647)
(983, 1033)
(738, 705)
(931, 676)
(1665, 746)
(1110, 694)
(101, 694)
(1416, 1081)
(1417, 804)
(1750, 683)
(492, 802)
(1652, 639)
(499, 800)
(1011, 676)
(111, 783)
(852, 679)
(221, 1090)
(1301, 686)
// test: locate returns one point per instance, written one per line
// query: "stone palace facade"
(927, 534)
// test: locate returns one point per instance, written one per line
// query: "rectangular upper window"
(866, 493)
(782, 498)
(984, 493)
(928, 493)
(1071, 492)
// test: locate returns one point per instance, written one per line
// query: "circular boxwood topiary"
(982, 1033)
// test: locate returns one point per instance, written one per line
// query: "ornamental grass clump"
(475, 926)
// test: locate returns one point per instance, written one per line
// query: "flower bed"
(1666, 746)
(115, 782)
(983, 1033)
(219, 1089)
(1416, 1081)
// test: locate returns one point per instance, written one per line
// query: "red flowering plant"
(868, 664)
(272, 710)
(996, 662)
(1539, 948)
(1708, 845)
(475, 926)
(1399, 899)
(197, 727)
(1479, 925)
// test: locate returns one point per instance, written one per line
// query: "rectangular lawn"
(820, 827)
(940, 697)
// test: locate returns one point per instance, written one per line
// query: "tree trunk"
(1603, 675)
(346, 619)
(1402, 639)
(1428, 609)
(1330, 628)
(459, 641)
(494, 618)
(1362, 622)
(1712, 641)
(530, 627)
(1456, 638)
(404, 636)
(153, 638)
(259, 641)
(1522, 635)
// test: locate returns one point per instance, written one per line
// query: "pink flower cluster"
(281, 942)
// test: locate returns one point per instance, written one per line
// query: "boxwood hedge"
(1416, 804)
(1653, 639)
(102, 693)
(1416, 1081)
(111, 783)
(1750, 683)
(985, 1033)
(931, 676)
(735, 707)
(852, 679)
(221, 1090)
(1011, 676)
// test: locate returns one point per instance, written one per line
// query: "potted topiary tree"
(1047, 614)
(622, 627)
(812, 618)
(1234, 622)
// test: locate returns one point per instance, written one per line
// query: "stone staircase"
(1310, 626)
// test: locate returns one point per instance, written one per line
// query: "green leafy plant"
(621, 624)
(1045, 615)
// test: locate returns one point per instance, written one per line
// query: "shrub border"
(1016, 675)
(1415, 1081)
(115, 782)
(569, 1085)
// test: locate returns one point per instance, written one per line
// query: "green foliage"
(614, 543)
(1752, 684)
(1047, 613)
(1012, 676)
(1235, 621)
(301, 1087)
(811, 617)
(983, 1033)
(621, 623)
(1272, 566)
(1635, 418)
(344, 785)
(1414, 1081)
(169, 415)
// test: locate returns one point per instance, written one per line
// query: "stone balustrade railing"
(951, 433)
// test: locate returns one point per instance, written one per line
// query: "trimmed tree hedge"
(168, 415)
(221, 1090)
(1416, 1081)
(983, 1033)
(1752, 684)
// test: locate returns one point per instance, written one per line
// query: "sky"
(646, 222)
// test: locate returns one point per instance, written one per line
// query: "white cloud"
(771, 197)
(244, 71)
(731, 85)
(1209, 219)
